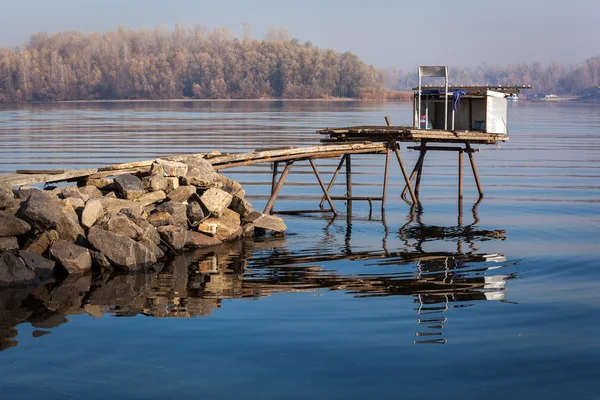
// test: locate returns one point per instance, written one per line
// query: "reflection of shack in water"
(194, 284)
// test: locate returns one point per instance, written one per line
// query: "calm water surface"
(499, 302)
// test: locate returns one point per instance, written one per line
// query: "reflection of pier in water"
(195, 283)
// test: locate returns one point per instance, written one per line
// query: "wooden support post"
(460, 184)
(474, 169)
(385, 178)
(333, 178)
(325, 193)
(418, 166)
(278, 186)
(274, 180)
(348, 176)
(420, 172)
(404, 174)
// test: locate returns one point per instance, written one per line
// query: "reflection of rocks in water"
(195, 283)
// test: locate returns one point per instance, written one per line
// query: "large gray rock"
(100, 260)
(267, 222)
(177, 210)
(92, 192)
(152, 197)
(42, 241)
(230, 186)
(24, 192)
(73, 191)
(11, 225)
(129, 186)
(182, 193)
(119, 224)
(216, 201)
(119, 204)
(200, 173)
(42, 267)
(68, 227)
(91, 212)
(172, 168)
(198, 240)
(125, 253)
(160, 218)
(14, 272)
(149, 232)
(174, 236)
(154, 183)
(73, 258)
(7, 197)
(8, 243)
(42, 210)
(241, 206)
(194, 211)
(224, 231)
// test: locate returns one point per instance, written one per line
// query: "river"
(498, 301)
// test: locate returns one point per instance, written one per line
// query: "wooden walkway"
(338, 142)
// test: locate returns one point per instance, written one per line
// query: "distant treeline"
(545, 79)
(183, 63)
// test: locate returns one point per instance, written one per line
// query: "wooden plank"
(135, 164)
(291, 152)
(40, 171)
(104, 174)
(19, 179)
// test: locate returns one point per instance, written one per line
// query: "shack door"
(496, 113)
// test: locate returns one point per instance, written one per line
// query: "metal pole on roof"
(446, 102)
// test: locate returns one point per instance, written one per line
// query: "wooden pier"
(340, 143)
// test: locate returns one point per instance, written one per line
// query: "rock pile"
(126, 223)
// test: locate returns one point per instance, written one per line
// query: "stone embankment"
(127, 223)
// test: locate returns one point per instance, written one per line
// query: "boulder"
(157, 169)
(148, 231)
(75, 202)
(154, 183)
(207, 228)
(241, 206)
(129, 186)
(42, 241)
(267, 222)
(119, 204)
(182, 193)
(68, 227)
(7, 197)
(91, 191)
(43, 268)
(100, 260)
(73, 191)
(73, 258)
(91, 212)
(119, 224)
(174, 236)
(111, 195)
(102, 183)
(123, 252)
(177, 210)
(225, 231)
(232, 187)
(172, 183)
(152, 197)
(172, 168)
(14, 272)
(194, 212)
(24, 192)
(230, 217)
(42, 210)
(9, 243)
(216, 201)
(153, 247)
(198, 240)
(160, 218)
(11, 225)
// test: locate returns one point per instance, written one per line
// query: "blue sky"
(384, 33)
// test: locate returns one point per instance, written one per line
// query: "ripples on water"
(510, 289)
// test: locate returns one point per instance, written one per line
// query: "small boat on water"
(513, 97)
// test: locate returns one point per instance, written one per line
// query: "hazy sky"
(384, 33)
